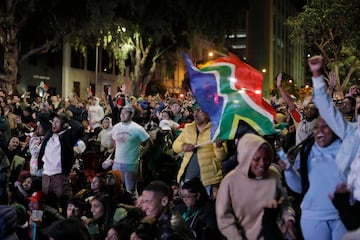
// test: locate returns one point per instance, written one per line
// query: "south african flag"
(229, 90)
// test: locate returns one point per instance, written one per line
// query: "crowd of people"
(125, 167)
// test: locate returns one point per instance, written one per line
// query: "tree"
(143, 31)
(332, 29)
(29, 27)
(164, 26)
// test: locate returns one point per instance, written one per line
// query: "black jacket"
(171, 226)
(349, 214)
(67, 141)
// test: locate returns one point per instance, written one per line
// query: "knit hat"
(8, 221)
(22, 216)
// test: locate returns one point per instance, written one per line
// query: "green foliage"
(332, 29)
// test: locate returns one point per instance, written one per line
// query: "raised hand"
(315, 63)
(353, 89)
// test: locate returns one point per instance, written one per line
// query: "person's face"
(165, 116)
(34, 205)
(40, 130)
(3, 104)
(152, 204)
(73, 211)
(112, 235)
(97, 208)
(106, 123)
(93, 101)
(310, 112)
(175, 108)
(56, 125)
(260, 163)
(54, 99)
(323, 134)
(26, 113)
(200, 117)
(346, 106)
(16, 99)
(125, 116)
(187, 112)
(14, 143)
(153, 104)
(27, 184)
(96, 184)
(85, 124)
(189, 198)
(134, 236)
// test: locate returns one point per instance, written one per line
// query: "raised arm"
(288, 100)
(333, 117)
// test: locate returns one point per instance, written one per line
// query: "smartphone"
(282, 155)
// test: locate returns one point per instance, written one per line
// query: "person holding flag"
(202, 158)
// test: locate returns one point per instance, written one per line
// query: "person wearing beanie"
(22, 221)
(8, 221)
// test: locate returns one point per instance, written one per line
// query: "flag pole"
(202, 144)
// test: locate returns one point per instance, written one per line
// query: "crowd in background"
(125, 167)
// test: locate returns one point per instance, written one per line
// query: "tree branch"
(352, 69)
(45, 47)
(4, 78)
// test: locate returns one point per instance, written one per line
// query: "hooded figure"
(104, 136)
(95, 113)
(246, 190)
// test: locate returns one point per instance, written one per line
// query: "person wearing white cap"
(128, 137)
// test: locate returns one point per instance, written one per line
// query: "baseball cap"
(37, 197)
(165, 125)
(129, 109)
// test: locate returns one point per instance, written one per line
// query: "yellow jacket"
(209, 156)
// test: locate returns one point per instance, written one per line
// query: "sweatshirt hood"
(246, 149)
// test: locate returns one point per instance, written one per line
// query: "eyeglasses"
(189, 196)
